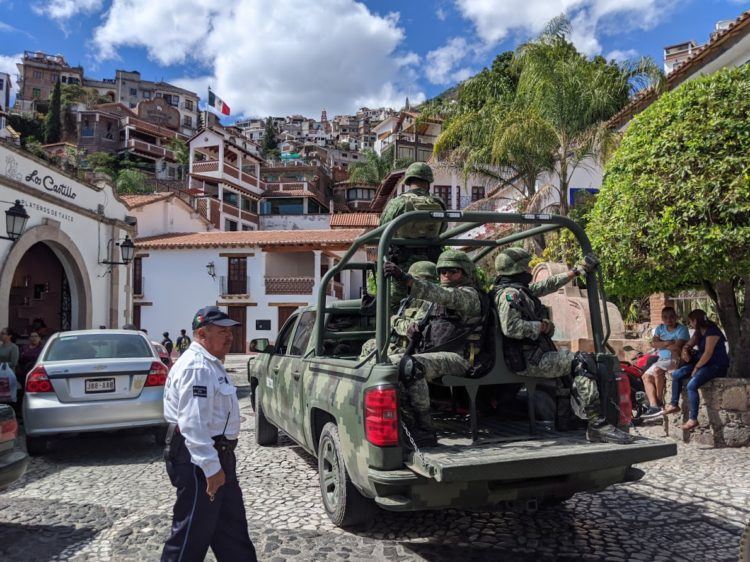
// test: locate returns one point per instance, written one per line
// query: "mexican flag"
(217, 103)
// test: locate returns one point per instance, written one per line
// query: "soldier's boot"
(600, 431)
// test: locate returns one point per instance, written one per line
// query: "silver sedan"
(93, 380)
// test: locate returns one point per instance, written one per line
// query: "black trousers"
(198, 522)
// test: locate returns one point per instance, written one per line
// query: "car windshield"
(98, 346)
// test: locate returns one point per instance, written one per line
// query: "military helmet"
(512, 261)
(455, 258)
(420, 171)
(424, 270)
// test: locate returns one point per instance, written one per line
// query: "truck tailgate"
(549, 453)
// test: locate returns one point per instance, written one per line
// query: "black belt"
(221, 443)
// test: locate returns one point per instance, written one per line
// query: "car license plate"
(100, 385)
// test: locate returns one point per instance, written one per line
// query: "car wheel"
(36, 446)
(266, 433)
(160, 435)
(343, 503)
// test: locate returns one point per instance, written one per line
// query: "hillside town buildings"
(37, 75)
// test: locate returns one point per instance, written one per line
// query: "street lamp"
(127, 248)
(211, 269)
(15, 221)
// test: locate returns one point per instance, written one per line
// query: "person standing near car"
(8, 361)
(201, 407)
(183, 342)
(167, 343)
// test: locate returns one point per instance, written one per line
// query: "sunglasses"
(448, 270)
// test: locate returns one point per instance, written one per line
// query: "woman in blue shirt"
(712, 361)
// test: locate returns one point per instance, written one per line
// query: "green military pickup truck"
(312, 385)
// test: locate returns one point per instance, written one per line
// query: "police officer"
(525, 319)
(417, 180)
(201, 407)
(450, 339)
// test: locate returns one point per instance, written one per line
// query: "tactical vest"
(447, 332)
(420, 229)
(531, 309)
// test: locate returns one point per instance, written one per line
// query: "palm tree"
(375, 168)
(563, 102)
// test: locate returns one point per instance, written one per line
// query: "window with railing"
(249, 205)
(359, 194)
(189, 105)
(230, 198)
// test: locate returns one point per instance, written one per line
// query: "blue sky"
(295, 56)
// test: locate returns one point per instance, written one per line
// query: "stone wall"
(723, 415)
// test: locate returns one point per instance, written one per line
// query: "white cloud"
(440, 67)
(8, 64)
(441, 14)
(621, 56)
(62, 10)
(271, 56)
(496, 19)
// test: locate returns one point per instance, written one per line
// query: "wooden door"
(238, 314)
(284, 313)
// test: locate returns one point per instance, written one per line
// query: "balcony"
(300, 286)
(234, 287)
(151, 129)
(229, 173)
(149, 149)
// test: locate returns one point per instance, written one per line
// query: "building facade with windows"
(38, 73)
(5, 89)
(258, 278)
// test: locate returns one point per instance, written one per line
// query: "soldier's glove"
(412, 329)
(390, 269)
(550, 330)
(590, 263)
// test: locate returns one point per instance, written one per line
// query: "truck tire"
(36, 446)
(266, 434)
(343, 503)
(745, 544)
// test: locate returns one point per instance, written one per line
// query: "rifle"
(406, 367)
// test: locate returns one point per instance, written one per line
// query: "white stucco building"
(258, 277)
(54, 271)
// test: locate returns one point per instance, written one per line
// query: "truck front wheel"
(343, 503)
(266, 433)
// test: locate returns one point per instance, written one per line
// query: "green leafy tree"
(374, 168)
(130, 180)
(53, 122)
(268, 147)
(182, 154)
(674, 210)
(103, 162)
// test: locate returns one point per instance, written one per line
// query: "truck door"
(290, 382)
(277, 365)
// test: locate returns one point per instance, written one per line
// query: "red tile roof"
(223, 239)
(133, 201)
(355, 220)
(718, 44)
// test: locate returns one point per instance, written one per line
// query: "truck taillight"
(37, 381)
(623, 399)
(381, 416)
(157, 375)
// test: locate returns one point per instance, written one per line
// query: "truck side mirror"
(260, 345)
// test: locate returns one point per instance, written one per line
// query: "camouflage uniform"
(541, 358)
(414, 199)
(413, 312)
(462, 300)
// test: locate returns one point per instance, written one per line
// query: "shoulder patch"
(200, 391)
(511, 296)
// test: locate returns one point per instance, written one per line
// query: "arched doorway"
(40, 292)
(33, 282)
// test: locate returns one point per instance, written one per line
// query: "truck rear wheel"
(343, 503)
(266, 433)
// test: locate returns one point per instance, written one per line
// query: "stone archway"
(72, 263)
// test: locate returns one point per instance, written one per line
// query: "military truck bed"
(506, 451)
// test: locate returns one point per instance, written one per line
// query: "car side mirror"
(261, 345)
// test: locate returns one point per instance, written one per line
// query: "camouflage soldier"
(450, 339)
(412, 311)
(417, 179)
(528, 346)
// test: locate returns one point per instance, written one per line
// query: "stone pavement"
(107, 497)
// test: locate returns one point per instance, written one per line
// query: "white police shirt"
(202, 401)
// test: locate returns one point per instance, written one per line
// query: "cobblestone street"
(105, 497)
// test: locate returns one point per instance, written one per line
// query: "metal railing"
(239, 286)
